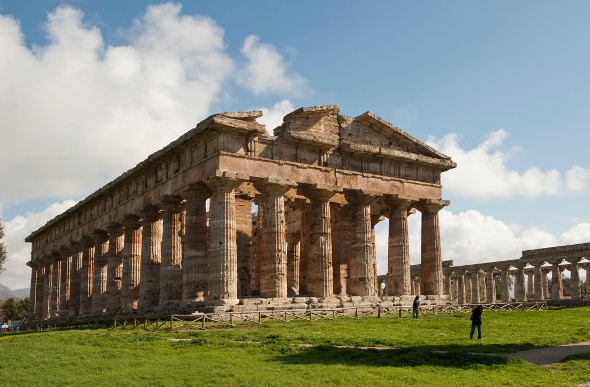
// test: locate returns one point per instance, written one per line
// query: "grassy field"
(430, 351)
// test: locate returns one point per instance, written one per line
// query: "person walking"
(476, 321)
(416, 307)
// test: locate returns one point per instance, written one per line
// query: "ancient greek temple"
(230, 218)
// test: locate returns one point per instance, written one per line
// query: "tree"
(15, 309)
(2, 248)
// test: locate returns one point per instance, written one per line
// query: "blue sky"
(91, 88)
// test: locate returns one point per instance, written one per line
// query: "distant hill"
(5, 292)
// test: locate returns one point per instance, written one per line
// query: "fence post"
(379, 312)
(285, 316)
(333, 314)
(400, 311)
(203, 321)
(310, 315)
(356, 313)
(259, 317)
(171, 321)
(231, 319)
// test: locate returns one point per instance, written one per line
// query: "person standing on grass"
(476, 321)
(416, 307)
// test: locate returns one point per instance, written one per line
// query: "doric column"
(454, 288)
(556, 283)
(505, 285)
(361, 257)
(575, 280)
(273, 262)
(475, 287)
(171, 270)
(223, 261)
(114, 267)
(538, 288)
(304, 209)
(39, 292)
(86, 275)
(99, 281)
(56, 288)
(131, 262)
(490, 287)
(398, 246)
(449, 286)
(416, 286)
(320, 280)
(47, 286)
(337, 252)
(520, 293)
(32, 290)
(530, 289)
(293, 263)
(431, 264)
(468, 287)
(75, 273)
(65, 288)
(151, 259)
(545, 284)
(461, 288)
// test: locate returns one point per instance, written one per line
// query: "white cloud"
(266, 70)
(17, 275)
(273, 117)
(577, 234)
(482, 173)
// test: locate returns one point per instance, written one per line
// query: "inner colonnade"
(146, 242)
(476, 283)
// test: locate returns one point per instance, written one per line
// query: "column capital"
(171, 202)
(361, 196)
(74, 246)
(131, 222)
(87, 241)
(274, 185)
(114, 229)
(400, 201)
(293, 237)
(99, 236)
(198, 191)
(65, 250)
(321, 191)
(56, 255)
(431, 205)
(151, 213)
(225, 180)
(32, 265)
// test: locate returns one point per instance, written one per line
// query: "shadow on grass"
(404, 357)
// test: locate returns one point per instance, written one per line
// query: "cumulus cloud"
(17, 275)
(266, 70)
(471, 237)
(273, 116)
(482, 173)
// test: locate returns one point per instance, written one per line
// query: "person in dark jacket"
(476, 321)
(416, 307)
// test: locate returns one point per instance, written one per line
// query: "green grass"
(265, 355)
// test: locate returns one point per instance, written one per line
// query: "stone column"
(223, 263)
(273, 262)
(171, 279)
(538, 273)
(243, 214)
(56, 288)
(255, 250)
(131, 263)
(39, 291)
(32, 290)
(75, 278)
(99, 281)
(398, 246)
(545, 285)
(475, 287)
(468, 288)
(65, 288)
(151, 259)
(86, 275)
(337, 252)
(454, 288)
(431, 259)
(575, 280)
(556, 284)
(505, 285)
(320, 281)
(304, 209)
(293, 264)
(520, 282)
(449, 286)
(490, 287)
(461, 288)
(416, 286)
(361, 263)
(115, 267)
(47, 285)
(530, 289)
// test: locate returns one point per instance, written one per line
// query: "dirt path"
(550, 354)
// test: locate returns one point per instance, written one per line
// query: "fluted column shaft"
(398, 249)
(505, 285)
(114, 267)
(39, 292)
(151, 259)
(56, 288)
(223, 263)
(530, 289)
(99, 280)
(520, 282)
(65, 288)
(171, 269)
(490, 287)
(475, 287)
(468, 288)
(575, 281)
(86, 275)
(75, 279)
(47, 285)
(361, 257)
(320, 274)
(32, 290)
(556, 283)
(461, 288)
(304, 249)
(131, 262)
(431, 264)
(293, 265)
(545, 286)
(538, 273)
